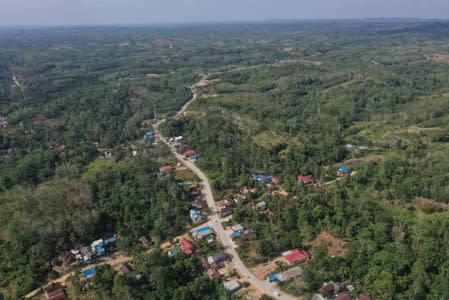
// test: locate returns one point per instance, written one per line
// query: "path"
(228, 244)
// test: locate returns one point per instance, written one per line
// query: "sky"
(79, 12)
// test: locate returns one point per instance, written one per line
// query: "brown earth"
(262, 270)
(336, 246)
(444, 58)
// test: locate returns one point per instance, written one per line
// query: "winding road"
(216, 224)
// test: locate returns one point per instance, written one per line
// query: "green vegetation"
(283, 99)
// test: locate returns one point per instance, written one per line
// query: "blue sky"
(66, 12)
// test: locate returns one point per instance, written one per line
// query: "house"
(126, 268)
(246, 190)
(191, 154)
(329, 288)
(261, 205)
(362, 149)
(55, 291)
(196, 216)
(364, 297)
(203, 232)
(269, 213)
(4, 124)
(86, 253)
(174, 251)
(59, 146)
(350, 146)
(98, 247)
(213, 273)
(283, 194)
(145, 241)
(238, 198)
(178, 139)
(295, 255)
(148, 136)
(187, 246)
(107, 154)
(96, 143)
(309, 179)
(224, 205)
(272, 277)
(67, 258)
(343, 170)
(275, 180)
(261, 178)
(89, 273)
(247, 234)
(197, 204)
(218, 259)
(166, 169)
(232, 285)
(289, 274)
(343, 296)
(237, 227)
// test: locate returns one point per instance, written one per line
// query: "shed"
(89, 273)
(174, 251)
(232, 285)
(261, 205)
(272, 277)
(54, 291)
(145, 241)
(289, 274)
(187, 246)
(126, 268)
(308, 179)
(343, 170)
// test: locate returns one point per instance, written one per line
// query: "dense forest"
(283, 99)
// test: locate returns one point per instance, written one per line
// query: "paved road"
(228, 245)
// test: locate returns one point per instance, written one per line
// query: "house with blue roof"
(148, 136)
(196, 215)
(89, 273)
(261, 178)
(203, 232)
(343, 171)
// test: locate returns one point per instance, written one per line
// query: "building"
(261, 178)
(283, 194)
(190, 154)
(55, 291)
(329, 288)
(107, 154)
(166, 169)
(148, 136)
(364, 297)
(213, 273)
(126, 268)
(343, 296)
(238, 198)
(272, 277)
(275, 180)
(86, 254)
(295, 255)
(261, 205)
(145, 241)
(203, 232)
(343, 170)
(187, 246)
(289, 274)
(174, 251)
(217, 260)
(232, 285)
(309, 179)
(89, 273)
(224, 205)
(67, 258)
(196, 216)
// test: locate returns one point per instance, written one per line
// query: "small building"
(224, 205)
(196, 216)
(295, 255)
(67, 258)
(145, 241)
(187, 246)
(309, 179)
(329, 288)
(343, 296)
(89, 273)
(190, 154)
(238, 198)
(55, 291)
(213, 273)
(148, 136)
(96, 143)
(59, 146)
(107, 154)
(350, 146)
(86, 253)
(237, 227)
(178, 139)
(174, 251)
(166, 169)
(343, 171)
(232, 285)
(218, 259)
(261, 178)
(275, 180)
(364, 297)
(289, 274)
(203, 232)
(283, 194)
(272, 277)
(317, 297)
(362, 149)
(247, 190)
(261, 205)
(126, 268)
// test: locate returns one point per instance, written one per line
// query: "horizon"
(51, 13)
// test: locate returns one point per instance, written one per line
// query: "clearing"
(335, 247)
(262, 270)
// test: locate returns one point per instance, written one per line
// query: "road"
(216, 224)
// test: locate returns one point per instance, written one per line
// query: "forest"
(282, 98)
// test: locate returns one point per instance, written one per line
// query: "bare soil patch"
(262, 270)
(430, 202)
(336, 247)
(444, 58)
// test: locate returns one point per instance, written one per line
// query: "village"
(218, 264)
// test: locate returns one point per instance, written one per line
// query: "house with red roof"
(295, 255)
(309, 179)
(165, 169)
(364, 297)
(191, 154)
(275, 180)
(187, 246)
